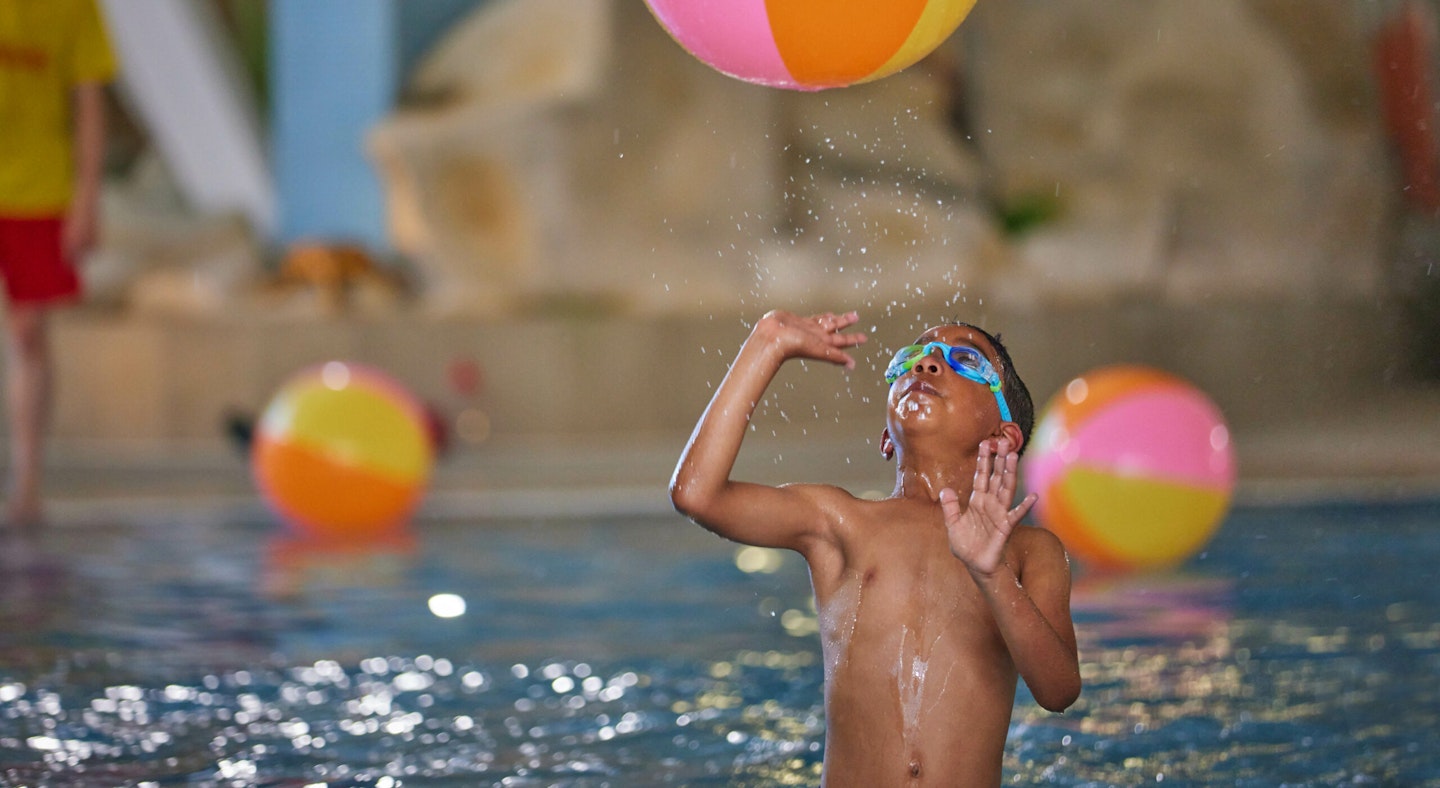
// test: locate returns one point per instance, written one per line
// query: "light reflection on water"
(1302, 648)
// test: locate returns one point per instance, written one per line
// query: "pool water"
(1302, 648)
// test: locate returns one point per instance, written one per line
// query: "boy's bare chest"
(929, 592)
(903, 581)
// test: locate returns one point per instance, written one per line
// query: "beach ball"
(809, 44)
(342, 451)
(1134, 468)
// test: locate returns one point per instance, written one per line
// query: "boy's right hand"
(817, 337)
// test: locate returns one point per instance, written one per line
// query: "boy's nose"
(930, 363)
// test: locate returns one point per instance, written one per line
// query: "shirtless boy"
(931, 601)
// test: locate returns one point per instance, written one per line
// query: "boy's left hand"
(978, 532)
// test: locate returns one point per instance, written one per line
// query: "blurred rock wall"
(567, 154)
(1200, 185)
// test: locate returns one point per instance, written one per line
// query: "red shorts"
(33, 263)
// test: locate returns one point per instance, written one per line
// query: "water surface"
(1302, 648)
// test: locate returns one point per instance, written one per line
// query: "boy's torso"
(919, 684)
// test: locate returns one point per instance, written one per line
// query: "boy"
(54, 60)
(931, 602)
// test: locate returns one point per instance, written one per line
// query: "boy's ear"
(887, 446)
(1011, 431)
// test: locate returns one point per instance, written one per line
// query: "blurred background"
(555, 226)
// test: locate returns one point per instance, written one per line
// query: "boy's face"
(931, 398)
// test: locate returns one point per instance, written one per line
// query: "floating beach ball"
(1134, 468)
(809, 44)
(343, 452)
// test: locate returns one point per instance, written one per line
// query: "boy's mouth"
(921, 387)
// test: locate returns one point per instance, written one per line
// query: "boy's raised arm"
(701, 487)
(1033, 612)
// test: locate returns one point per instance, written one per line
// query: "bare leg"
(28, 395)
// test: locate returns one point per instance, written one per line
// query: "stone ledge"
(1381, 453)
(158, 383)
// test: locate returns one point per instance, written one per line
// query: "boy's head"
(961, 367)
(1017, 394)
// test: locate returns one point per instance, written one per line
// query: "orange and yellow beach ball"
(1134, 467)
(809, 44)
(343, 451)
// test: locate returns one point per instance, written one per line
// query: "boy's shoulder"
(1033, 542)
(830, 494)
(847, 515)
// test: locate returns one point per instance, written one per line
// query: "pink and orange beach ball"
(343, 452)
(1134, 466)
(809, 44)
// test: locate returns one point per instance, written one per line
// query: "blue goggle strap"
(1000, 400)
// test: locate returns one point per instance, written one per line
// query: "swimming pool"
(1302, 648)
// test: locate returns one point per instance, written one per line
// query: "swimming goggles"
(967, 362)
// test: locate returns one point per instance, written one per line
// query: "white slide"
(180, 75)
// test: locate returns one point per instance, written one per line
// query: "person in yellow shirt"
(55, 59)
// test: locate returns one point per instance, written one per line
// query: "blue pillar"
(334, 69)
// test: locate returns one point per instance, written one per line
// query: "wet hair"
(1017, 395)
